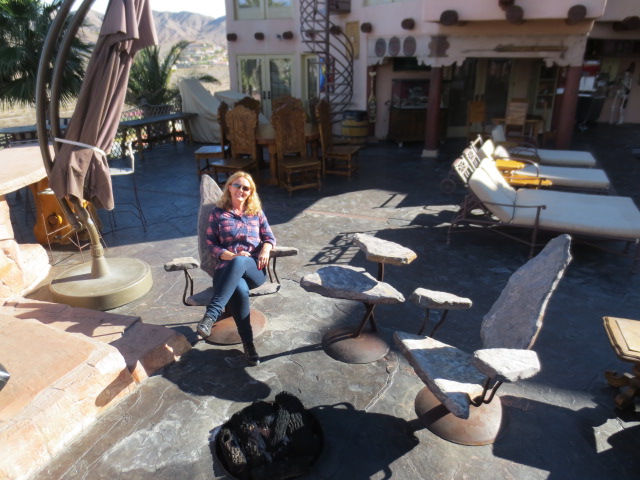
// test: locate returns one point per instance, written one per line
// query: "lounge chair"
(544, 156)
(560, 177)
(580, 214)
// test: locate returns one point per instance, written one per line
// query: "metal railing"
(334, 51)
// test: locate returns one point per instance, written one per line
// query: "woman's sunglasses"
(244, 188)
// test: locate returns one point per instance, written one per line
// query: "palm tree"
(24, 25)
(151, 77)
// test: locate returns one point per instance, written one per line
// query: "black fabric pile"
(270, 440)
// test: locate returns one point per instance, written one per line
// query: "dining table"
(266, 138)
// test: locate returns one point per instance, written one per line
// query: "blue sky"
(211, 8)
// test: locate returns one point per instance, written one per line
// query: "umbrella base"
(128, 280)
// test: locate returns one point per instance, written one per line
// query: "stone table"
(22, 266)
(354, 345)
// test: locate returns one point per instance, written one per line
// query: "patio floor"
(561, 423)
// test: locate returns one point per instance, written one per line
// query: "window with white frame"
(380, 2)
(260, 9)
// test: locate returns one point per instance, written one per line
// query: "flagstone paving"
(562, 423)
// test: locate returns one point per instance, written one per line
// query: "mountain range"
(173, 27)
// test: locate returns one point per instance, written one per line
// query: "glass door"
(265, 78)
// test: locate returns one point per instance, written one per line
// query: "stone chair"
(459, 402)
(354, 344)
(224, 331)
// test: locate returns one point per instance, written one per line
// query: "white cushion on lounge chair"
(597, 215)
(580, 213)
(566, 158)
(545, 156)
(568, 176)
(493, 188)
(560, 176)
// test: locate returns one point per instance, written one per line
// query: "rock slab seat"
(350, 283)
(383, 251)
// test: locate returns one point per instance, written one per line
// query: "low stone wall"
(68, 365)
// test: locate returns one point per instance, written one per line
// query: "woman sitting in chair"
(240, 237)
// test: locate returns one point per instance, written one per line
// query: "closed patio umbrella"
(80, 170)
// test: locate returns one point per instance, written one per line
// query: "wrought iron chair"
(459, 402)
(336, 159)
(225, 331)
(129, 170)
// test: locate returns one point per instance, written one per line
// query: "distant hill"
(174, 27)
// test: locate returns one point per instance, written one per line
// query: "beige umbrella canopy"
(80, 170)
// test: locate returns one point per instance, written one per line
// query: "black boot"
(250, 353)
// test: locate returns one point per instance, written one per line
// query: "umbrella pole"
(99, 266)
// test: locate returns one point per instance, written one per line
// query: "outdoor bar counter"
(22, 266)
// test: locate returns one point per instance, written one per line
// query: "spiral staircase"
(333, 49)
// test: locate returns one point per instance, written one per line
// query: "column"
(567, 114)
(432, 133)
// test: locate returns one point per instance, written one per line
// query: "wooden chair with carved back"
(278, 102)
(240, 126)
(296, 169)
(336, 159)
(250, 103)
(515, 121)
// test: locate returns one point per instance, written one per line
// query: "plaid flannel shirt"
(237, 233)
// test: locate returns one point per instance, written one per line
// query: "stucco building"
(389, 62)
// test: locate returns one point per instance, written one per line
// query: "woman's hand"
(263, 258)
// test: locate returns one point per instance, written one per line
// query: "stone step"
(67, 366)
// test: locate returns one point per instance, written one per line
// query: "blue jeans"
(231, 284)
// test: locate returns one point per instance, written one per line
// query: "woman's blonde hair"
(252, 205)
